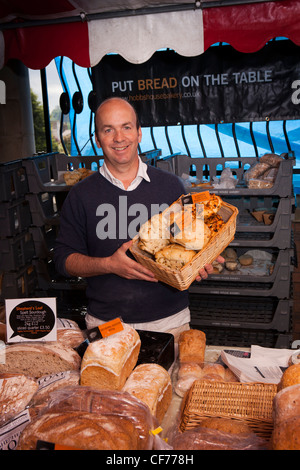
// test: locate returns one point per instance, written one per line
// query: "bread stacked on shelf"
(263, 173)
(74, 176)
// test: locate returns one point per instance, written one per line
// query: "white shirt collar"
(141, 174)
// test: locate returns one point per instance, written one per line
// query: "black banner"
(221, 85)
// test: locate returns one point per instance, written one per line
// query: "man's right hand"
(119, 263)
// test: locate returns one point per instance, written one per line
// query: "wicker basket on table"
(183, 278)
(249, 402)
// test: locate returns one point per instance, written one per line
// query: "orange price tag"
(111, 327)
(200, 197)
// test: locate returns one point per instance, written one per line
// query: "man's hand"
(208, 269)
(119, 263)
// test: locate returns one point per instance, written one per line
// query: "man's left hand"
(208, 269)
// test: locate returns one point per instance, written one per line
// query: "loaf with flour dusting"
(108, 362)
(151, 384)
(16, 392)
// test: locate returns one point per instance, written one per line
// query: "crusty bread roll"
(194, 236)
(191, 346)
(151, 384)
(16, 392)
(80, 430)
(38, 359)
(108, 362)
(214, 369)
(174, 256)
(154, 234)
(286, 436)
(188, 369)
(291, 376)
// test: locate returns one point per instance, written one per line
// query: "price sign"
(30, 319)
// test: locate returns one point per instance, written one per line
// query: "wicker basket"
(183, 278)
(249, 402)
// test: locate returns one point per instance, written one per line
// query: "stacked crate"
(237, 309)
(46, 193)
(17, 273)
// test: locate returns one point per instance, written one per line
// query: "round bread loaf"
(79, 430)
(291, 376)
(228, 425)
(38, 359)
(286, 436)
(286, 404)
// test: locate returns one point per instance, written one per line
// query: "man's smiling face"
(117, 132)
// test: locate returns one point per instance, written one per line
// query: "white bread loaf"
(38, 359)
(108, 362)
(151, 384)
(80, 430)
(16, 392)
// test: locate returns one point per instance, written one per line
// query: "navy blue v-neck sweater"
(97, 218)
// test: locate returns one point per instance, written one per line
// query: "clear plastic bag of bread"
(216, 433)
(109, 403)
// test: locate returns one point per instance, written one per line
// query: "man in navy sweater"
(102, 214)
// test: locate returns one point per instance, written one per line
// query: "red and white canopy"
(36, 32)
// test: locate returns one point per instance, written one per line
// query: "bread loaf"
(79, 430)
(151, 384)
(38, 359)
(174, 256)
(108, 362)
(286, 404)
(191, 345)
(154, 234)
(291, 376)
(107, 403)
(286, 436)
(48, 383)
(69, 333)
(16, 392)
(228, 425)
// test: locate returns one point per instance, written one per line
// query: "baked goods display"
(175, 236)
(121, 404)
(108, 362)
(151, 384)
